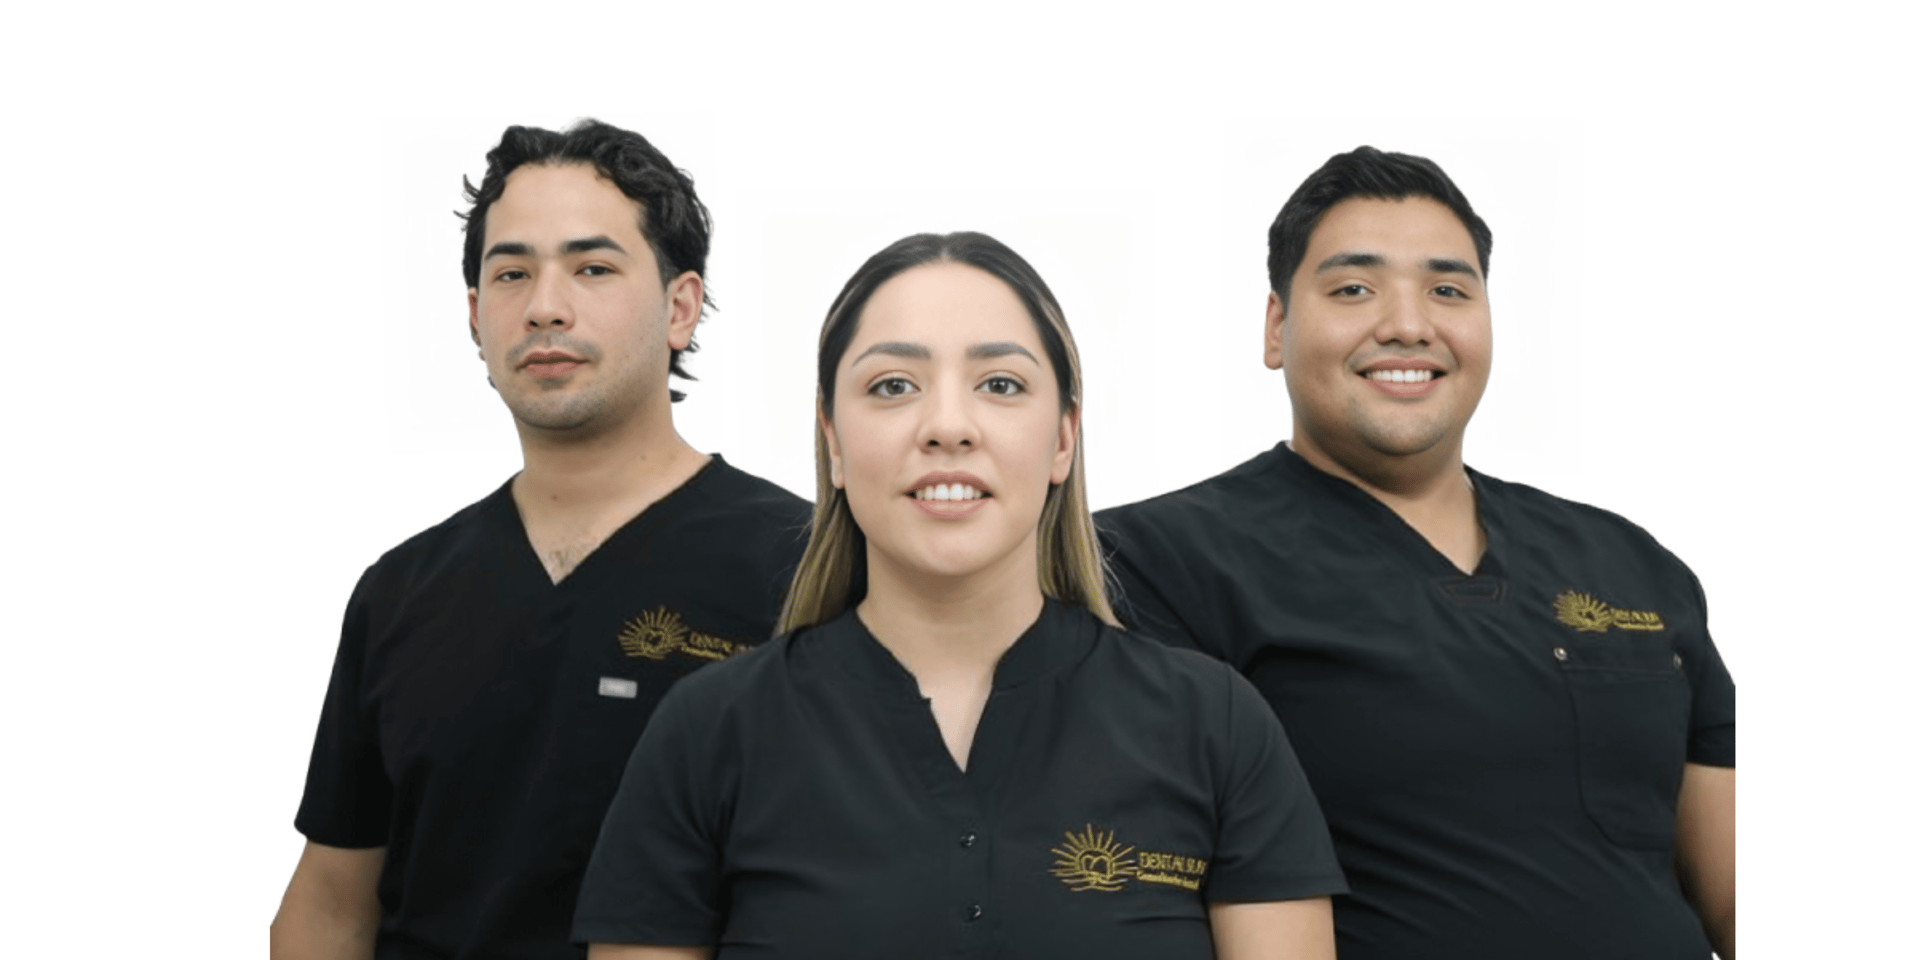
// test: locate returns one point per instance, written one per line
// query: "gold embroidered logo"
(659, 632)
(1091, 860)
(1590, 614)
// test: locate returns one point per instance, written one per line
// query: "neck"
(944, 626)
(1428, 490)
(640, 460)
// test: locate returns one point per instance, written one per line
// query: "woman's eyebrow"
(896, 348)
(997, 349)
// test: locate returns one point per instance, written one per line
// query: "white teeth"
(944, 491)
(1400, 376)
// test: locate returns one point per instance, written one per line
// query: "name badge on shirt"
(618, 687)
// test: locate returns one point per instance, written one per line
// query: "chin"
(1404, 440)
(944, 561)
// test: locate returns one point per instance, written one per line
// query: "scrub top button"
(1676, 661)
(973, 913)
(967, 839)
(1560, 654)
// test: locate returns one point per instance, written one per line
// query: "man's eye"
(508, 276)
(891, 387)
(1449, 290)
(596, 270)
(1002, 386)
(1351, 290)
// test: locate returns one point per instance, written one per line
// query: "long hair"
(833, 573)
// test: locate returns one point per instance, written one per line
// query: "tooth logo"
(1092, 861)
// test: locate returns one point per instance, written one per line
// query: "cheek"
(869, 457)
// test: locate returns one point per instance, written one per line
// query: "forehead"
(1413, 228)
(561, 202)
(945, 304)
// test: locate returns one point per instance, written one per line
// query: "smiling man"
(495, 671)
(1508, 704)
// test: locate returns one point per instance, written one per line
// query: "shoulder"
(1258, 484)
(1172, 674)
(745, 492)
(472, 529)
(749, 513)
(1556, 520)
(736, 684)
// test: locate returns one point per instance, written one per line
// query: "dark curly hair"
(674, 222)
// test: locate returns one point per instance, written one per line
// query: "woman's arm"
(1281, 930)
(1703, 850)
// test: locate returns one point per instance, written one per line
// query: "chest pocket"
(1630, 704)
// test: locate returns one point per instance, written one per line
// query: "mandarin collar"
(1061, 637)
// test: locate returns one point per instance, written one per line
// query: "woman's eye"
(1002, 386)
(891, 387)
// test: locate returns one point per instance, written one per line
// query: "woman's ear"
(833, 449)
(1069, 436)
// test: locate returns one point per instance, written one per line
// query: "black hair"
(673, 221)
(1373, 174)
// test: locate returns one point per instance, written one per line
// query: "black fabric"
(1499, 755)
(479, 715)
(800, 802)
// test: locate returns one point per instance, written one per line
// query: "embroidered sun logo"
(1092, 861)
(653, 634)
(1581, 612)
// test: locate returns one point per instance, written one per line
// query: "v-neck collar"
(1392, 532)
(507, 513)
(1062, 636)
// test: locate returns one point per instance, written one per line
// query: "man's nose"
(551, 306)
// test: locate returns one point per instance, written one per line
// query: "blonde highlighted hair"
(833, 573)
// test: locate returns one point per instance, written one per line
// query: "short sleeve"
(348, 800)
(1710, 728)
(655, 874)
(1273, 842)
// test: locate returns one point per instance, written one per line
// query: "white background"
(240, 368)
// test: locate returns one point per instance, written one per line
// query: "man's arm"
(1281, 930)
(331, 910)
(1703, 850)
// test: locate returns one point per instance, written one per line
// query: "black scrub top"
(479, 714)
(799, 802)
(1498, 755)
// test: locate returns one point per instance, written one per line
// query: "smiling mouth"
(944, 491)
(1403, 376)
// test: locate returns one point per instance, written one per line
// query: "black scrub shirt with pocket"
(1498, 754)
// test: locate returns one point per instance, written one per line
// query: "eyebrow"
(1433, 264)
(896, 348)
(998, 349)
(915, 351)
(1339, 260)
(580, 245)
(1450, 265)
(585, 244)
